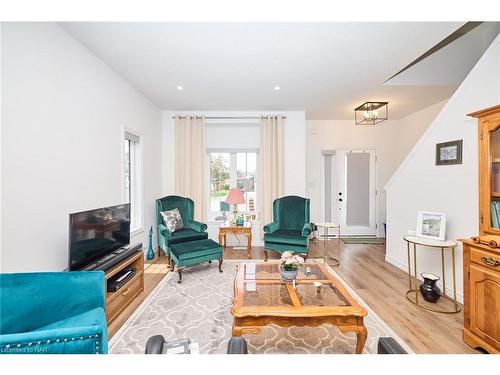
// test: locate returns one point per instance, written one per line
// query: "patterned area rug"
(199, 309)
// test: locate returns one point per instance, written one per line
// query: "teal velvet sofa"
(193, 230)
(291, 226)
(53, 313)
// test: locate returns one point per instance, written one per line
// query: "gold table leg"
(415, 270)
(409, 263)
(442, 271)
(453, 269)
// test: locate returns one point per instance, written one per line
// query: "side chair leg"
(265, 255)
(179, 270)
(220, 264)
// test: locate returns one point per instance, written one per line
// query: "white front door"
(349, 190)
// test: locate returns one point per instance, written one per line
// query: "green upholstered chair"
(290, 228)
(193, 230)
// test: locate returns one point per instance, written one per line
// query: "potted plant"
(289, 267)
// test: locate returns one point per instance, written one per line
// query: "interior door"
(349, 191)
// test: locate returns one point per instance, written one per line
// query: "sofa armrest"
(197, 226)
(54, 297)
(75, 340)
(271, 227)
(163, 230)
(306, 230)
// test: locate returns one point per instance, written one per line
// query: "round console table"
(326, 227)
(435, 244)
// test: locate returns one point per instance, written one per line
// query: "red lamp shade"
(235, 196)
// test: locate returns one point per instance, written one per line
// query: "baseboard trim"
(404, 267)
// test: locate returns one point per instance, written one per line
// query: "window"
(229, 169)
(132, 178)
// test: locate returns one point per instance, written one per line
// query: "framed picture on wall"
(431, 225)
(449, 152)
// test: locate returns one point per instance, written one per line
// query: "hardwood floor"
(381, 285)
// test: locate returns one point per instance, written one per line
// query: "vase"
(150, 254)
(288, 276)
(429, 290)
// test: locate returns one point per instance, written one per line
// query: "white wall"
(420, 185)
(391, 139)
(294, 150)
(62, 120)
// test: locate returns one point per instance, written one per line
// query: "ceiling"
(326, 69)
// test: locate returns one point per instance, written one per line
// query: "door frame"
(374, 184)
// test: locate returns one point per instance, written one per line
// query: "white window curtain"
(190, 162)
(270, 166)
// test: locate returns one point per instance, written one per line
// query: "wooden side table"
(223, 231)
(412, 294)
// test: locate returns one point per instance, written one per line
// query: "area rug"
(199, 309)
(363, 240)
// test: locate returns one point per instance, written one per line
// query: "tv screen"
(96, 233)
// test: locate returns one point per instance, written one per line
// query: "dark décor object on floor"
(193, 230)
(291, 226)
(53, 313)
(237, 345)
(388, 345)
(194, 252)
(429, 290)
(449, 152)
(151, 254)
(156, 345)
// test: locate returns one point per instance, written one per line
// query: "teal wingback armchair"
(53, 313)
(290, 228)
(193, 230)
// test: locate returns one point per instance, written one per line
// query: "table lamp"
(235, 197)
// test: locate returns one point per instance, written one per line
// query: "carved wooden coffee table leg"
(237, 331)
(362, 334)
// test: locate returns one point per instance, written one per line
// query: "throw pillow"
(173, 220)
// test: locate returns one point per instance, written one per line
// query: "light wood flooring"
(381, 285)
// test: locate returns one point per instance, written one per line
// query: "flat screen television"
(96, 233)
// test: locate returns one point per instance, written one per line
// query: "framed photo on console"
(449, 152)
(431, 225)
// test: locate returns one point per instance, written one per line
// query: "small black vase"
(429, 290)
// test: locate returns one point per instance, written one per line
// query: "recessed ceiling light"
(277, 88)
(180, 88)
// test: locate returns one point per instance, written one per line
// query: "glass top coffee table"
(261, 298)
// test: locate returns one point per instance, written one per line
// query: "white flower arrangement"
(291, 261)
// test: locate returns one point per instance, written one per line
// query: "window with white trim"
(132, 173)
(228, 169)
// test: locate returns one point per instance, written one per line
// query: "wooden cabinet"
(481, 296)
(118, 301)
(482, 255)
(489, 169)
